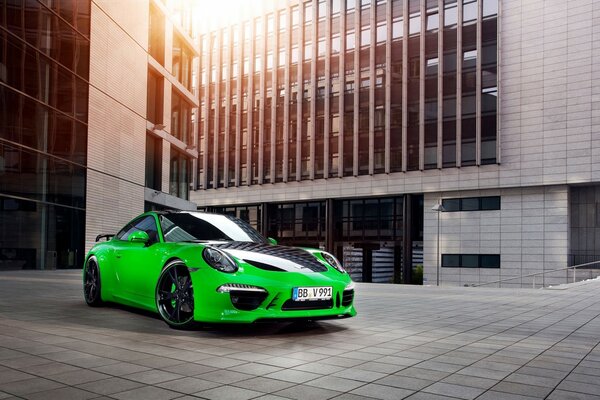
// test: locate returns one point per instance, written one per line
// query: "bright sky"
(214, 13)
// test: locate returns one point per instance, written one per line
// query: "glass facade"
(333, 88)
(44, 70)
(368, 235)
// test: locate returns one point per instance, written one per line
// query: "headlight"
(333, 262)
(219, 260)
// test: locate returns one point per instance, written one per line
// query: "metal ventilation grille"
(293, 254)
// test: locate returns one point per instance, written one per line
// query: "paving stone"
(262, 384)
(188, 385)
(110, 386)
(228, 393)
(335, 383)
(302, 392)
(458, 391)
(65, 393)
(382, 392)
(146, 393)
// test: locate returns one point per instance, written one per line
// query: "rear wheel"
(91, 283)
(175, 296)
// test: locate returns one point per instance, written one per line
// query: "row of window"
(179, 169)
(470, 260)
(183, 55)
(295, 122)
(486, 203)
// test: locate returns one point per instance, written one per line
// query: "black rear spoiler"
(108, 236)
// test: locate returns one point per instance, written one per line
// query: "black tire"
(175, 296)
(91, 283)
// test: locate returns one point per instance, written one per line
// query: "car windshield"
(204, 227)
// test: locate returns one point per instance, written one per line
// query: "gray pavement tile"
(283, 362)
(564, 395)
(472, 381)
(188, 369)
(11, 375)
(157, 362)
(404, 382)
(382, 392)
(53, 368)
(188, 385)
(358, 374)
(427, 396)
(381, 367)
(291, 375)
(484, 373)
(422, 373)
(24, 362)
(265, 385)
(341, 361)
(90, 361)
(146, 393)
(579, 387)
(110, 386)
(322, 369)
(119, 369)
(493, 395)
(65, 393)
(304, 392)
(522, 389)
(542, 372)
(256, 368)
(335, 383)
(224, 376)
(220, 362)
(453, 390)
(532, 380)
(269, 397)
(228, 393)
(27, 386)
(77, 377)
(152, 377)
(440, 366)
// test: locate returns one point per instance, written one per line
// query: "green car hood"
(273, 257)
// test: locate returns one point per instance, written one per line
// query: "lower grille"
(347, 297)
(245, 300)
(307, 305)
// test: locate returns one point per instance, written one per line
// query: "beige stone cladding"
(117, 110)
(529, 232)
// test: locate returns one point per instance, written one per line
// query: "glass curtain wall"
(44, 51)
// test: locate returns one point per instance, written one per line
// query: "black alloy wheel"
(175, 296)
(91, 283)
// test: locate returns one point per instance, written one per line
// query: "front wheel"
(91, 283)
(175, 296)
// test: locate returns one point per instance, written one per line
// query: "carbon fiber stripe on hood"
(290, 259)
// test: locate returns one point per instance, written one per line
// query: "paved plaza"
(406, 342)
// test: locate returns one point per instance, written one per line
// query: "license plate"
(311, 293)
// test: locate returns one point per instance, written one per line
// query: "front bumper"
(276, 304)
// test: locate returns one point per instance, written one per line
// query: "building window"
(153, 162)
(488, 203)
(182, 62)
(181, 117)
(156, 42)
(179, 178)
(470, 261)
(154, 105)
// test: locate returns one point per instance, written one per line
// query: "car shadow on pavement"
(118, 316)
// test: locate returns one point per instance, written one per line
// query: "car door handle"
(118, 255)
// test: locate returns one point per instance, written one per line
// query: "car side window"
(146, 224)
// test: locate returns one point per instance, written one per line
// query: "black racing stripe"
(294, 254)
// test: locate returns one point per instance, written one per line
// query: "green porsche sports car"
(203, 267)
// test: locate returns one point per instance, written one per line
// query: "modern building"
(344, 123)
(97, 108)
